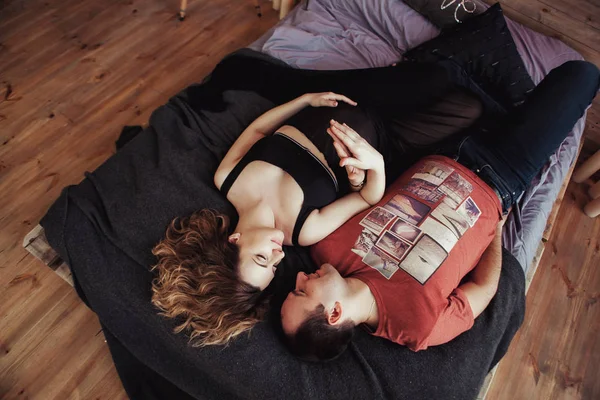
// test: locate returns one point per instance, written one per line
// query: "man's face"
(325, 286)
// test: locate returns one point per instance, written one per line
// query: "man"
(398, 268)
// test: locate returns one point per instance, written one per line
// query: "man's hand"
(502, 221)
(360, 154)
(362, 158)
(356, 176)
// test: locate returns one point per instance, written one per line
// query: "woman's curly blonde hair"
(198, 281)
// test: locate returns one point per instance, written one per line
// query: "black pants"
(403, 111)
(508, 155)
(401, 141)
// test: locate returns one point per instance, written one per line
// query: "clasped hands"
(355, 153)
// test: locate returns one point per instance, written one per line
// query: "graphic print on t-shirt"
(377, 219)
(405, 230)
(424, 259)
(434, 173)
(365, 241)
(469, 210)
(456, 189)
(408, 208)
(393, 245)
(382, 262)
(424, 190)
(452, 219)
(440, 232)
(418, 227)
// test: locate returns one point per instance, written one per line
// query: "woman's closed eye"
(261, 260)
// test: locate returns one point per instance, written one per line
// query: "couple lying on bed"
(393, 260)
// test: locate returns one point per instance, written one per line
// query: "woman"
(285, 193)
(297, 203)
(291, 185)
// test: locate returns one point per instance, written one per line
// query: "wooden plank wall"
(73, 72)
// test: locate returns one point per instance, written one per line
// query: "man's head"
(313, 316)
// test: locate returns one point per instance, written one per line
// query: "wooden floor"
(556, 353)
(73, 72)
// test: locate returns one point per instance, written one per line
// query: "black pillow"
(443, 13)
(485, 51)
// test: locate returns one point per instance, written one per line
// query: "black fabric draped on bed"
(105, 227)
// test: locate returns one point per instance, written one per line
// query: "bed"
(362, 34)
(154, 363)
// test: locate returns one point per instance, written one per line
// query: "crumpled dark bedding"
(105, 226)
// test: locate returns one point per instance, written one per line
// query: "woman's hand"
(327, 99)
(354, 151)
(356, 176)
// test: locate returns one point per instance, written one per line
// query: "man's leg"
(509, 155)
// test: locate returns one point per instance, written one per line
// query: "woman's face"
(260, 253)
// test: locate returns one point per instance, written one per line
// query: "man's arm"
(485, 277)
(469, 299)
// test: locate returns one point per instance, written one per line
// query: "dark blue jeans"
(509, 154)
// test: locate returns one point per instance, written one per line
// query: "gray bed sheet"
(333, 34)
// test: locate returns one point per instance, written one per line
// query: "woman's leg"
(402, 139)
(455, 112)
(512, 153)
(402, 110)
(390, 90)
(426, 130)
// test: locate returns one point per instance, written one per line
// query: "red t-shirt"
(413, 248)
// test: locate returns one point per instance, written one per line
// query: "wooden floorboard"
(556, 353)
(73, 72)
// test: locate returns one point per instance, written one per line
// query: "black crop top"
(314, 178)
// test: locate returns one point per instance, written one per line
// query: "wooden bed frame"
(35, 242)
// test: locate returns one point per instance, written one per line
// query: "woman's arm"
(321, 223)
(267, 123)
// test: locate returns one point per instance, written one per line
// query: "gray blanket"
(105, 226)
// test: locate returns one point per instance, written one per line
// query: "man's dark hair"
(317, 340)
